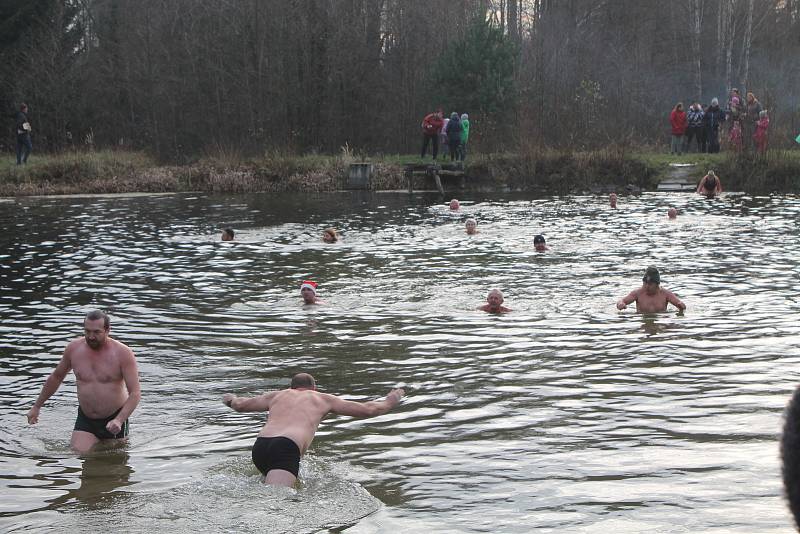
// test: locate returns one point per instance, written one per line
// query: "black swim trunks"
(98, 426)
(276, 453)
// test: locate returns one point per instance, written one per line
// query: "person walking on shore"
(23, 126)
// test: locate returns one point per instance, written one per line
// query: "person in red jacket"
(431, 127)
(678, 121)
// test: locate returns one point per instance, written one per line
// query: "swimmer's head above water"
(612, 200)
(308, 290)
(303, 381)
(455, 205)
(329, 235)
(539, 243)
(672, 213)
(651, 280)
(227, 234)
(472, 226)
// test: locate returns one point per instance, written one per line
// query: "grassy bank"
(534, 169)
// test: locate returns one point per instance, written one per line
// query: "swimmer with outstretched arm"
(294, 415)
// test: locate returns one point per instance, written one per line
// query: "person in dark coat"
(712, 119)
(23, 127)
(454, 130)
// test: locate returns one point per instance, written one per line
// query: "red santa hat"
(310, 285)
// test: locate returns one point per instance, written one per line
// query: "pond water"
(565, 415)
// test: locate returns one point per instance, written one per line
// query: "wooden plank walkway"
(437, 171)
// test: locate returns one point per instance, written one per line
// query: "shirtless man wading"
(651, 297)
(107, 380)
(294, 415)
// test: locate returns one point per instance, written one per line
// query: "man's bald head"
(303, 380)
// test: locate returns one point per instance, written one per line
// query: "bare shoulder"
(121, 349)
(75, 345)
(667, 292)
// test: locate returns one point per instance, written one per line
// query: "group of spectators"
(747, 124)
(452, 133)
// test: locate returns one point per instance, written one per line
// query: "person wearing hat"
(539, 243)
(494, 303)
(308, 290)
(651, 297)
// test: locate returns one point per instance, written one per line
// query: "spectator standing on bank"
(712, 119)
(734, 108)
(760, 137)
(23, 127)
(694, 129)
(454, 130)
(464, 135)
(735, 136)
(753, 110)
(431, 127)
(677, 120)
(443, 138)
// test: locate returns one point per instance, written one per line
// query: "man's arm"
(50, 386)
(130, 374)
(249, 404)
(365, 409)
(624, 301)
(675, 301)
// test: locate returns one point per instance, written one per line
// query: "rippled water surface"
(562, 416)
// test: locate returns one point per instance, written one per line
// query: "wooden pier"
(436, 171)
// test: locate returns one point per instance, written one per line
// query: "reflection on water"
(562, 415)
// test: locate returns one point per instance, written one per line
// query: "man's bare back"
(295, 414)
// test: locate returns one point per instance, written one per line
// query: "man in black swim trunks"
(108, 385)
(294, 415)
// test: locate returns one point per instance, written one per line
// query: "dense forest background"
(184, 78)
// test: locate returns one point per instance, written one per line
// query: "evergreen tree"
(476, 73)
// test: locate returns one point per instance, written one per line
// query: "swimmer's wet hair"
(790, 455)
(98, 314)
(229, 231)
(303, 380)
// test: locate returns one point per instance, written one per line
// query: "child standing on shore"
(735, 136)
(760, 137)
